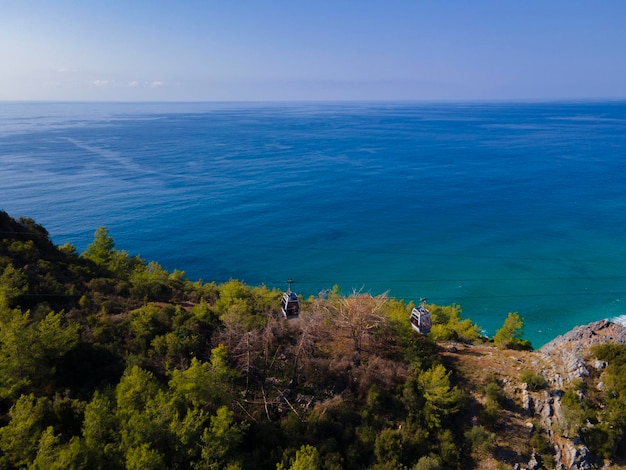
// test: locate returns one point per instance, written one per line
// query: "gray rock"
(535, 462)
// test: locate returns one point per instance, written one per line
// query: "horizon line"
(329, 101)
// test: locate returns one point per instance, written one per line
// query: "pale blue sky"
(198, 50)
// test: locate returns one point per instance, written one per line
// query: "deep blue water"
(496, 207)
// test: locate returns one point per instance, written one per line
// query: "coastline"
(495, 207)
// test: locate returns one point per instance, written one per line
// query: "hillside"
(109, 361)
(567, 363)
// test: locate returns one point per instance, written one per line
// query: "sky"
(283, 50)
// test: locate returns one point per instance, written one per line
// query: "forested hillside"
(108, 361)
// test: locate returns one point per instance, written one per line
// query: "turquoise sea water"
(497, 207)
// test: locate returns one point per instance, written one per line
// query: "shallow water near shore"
(496, 207)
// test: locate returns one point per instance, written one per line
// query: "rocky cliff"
(562, 362)
(567, 355)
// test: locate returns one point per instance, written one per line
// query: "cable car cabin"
(420, 320)
(290, 305)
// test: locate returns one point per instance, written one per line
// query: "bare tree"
(314, 334)
(357, 316)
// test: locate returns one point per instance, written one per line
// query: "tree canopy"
(108, 361)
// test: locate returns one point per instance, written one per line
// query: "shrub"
(539, 441)
(490, 414)
(428, 462)
(534, 381)
(481, 441)
(494, 392)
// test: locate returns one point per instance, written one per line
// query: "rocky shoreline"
(564, 360)
(567, 354)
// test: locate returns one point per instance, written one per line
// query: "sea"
(495, 207)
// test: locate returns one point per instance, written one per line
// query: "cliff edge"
(566, 355)
(562, 362)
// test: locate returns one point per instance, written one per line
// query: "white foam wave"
(621, 319)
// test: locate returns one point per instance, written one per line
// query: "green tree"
(428, 462)
(150, 281)
(441, 398)
(449, 449)
(145, 324)
(194, 386)
(615, 374)
(608, 437)
(232, 293)
(448, 325)
(19, 439)
(389, 448)
(221, 439)
(187, 428)
(175, 348)
(100, 251)
(307, 458)
(143, 457)
(204, 384)
(56, 337)
(30, 351)
(143, 411)
(136, 387)
(481, 441)
(53, 454)
(100, 430)
(510, 335)
(13, 283)
(16, 364)
(236, 307)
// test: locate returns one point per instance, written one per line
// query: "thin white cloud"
(156, 83)
(100, 83)
(133, 84)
